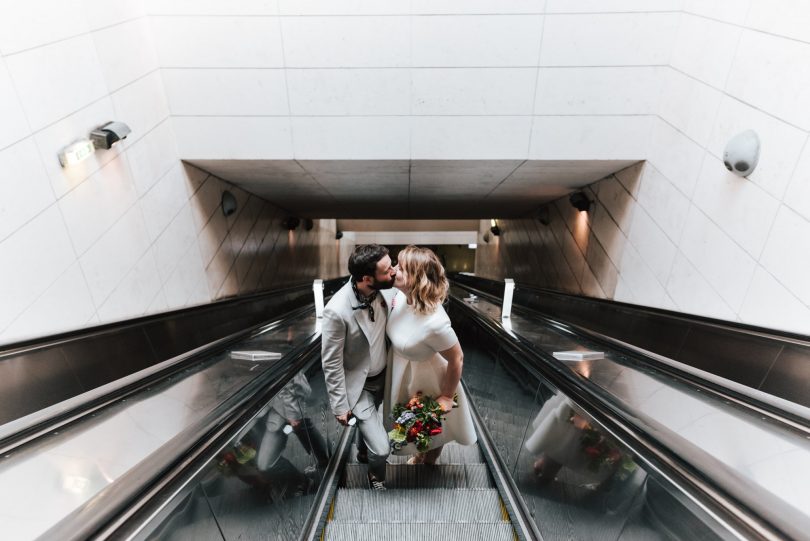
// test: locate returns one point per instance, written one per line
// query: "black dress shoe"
(375, 484)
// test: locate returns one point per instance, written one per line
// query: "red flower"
(592, 452)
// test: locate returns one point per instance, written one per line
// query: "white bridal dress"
(416, 366)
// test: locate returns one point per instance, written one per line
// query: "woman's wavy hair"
(427, 282)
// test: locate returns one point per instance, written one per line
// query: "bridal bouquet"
(416, 422)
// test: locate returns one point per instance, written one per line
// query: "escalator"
(231, 449)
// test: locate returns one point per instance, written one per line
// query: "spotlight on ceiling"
(338, 234)
(290, 223)
(308, 224)
(494, 228)
(543, 215)
(580, 201)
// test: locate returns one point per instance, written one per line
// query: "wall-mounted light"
(543, 215)
(580, 201)
(290, 223)
(494, 228)
(487, 237)
(308, 224)
(104, 137)
(227, 203)
(338, 234)
(76, 152)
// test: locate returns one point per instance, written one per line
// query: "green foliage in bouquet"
(416, 421)
(602, 452)
(236, 458)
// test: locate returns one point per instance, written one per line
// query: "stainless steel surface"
(37, 374)
(51, 477)
(768, 360)
(763, 463)
(63, 410)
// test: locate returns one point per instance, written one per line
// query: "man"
(353, 353)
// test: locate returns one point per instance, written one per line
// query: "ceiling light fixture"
(290, 223)
(580, 201)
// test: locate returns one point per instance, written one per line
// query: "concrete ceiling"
(410, 189)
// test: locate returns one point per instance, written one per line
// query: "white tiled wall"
(680, 232)
(665, 81)
(130, 231)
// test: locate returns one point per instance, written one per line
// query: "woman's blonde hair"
(426, 281)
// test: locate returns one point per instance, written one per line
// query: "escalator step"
(452, 454)
(419, 532)
(411, 477)
(418, 505)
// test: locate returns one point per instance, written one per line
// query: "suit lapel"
(361, 317)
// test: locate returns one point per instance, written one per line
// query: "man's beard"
(378, 286)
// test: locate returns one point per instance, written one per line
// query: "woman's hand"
(446, 403)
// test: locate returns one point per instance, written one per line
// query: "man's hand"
(344, 418)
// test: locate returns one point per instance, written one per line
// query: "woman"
(426, 354)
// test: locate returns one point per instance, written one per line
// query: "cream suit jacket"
(345, 348)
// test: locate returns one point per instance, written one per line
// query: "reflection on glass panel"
(577, 480)
(263, 483)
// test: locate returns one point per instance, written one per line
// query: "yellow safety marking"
(329, 516)
(505, 516)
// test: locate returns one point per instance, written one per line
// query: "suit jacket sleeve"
(333, 337)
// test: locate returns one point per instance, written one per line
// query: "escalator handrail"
(26, 429)
(316, 520)
(780, 410)
(754, 331)
(743, 522)
(126, 505)
(522, 521)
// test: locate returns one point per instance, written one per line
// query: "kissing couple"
(402, 302)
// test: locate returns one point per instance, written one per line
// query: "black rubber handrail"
(790, 414)
(316, 520)
(650, 444)
(126, 506)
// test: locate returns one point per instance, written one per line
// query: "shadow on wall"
(560, 247)
(250, 250)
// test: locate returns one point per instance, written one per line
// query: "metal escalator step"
(418, 505)
(453, 454)
(403, 476)
(336, 531)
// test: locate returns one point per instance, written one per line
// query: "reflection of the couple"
(563, 436)
(257, 457)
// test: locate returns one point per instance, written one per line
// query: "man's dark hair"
(364, 259)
